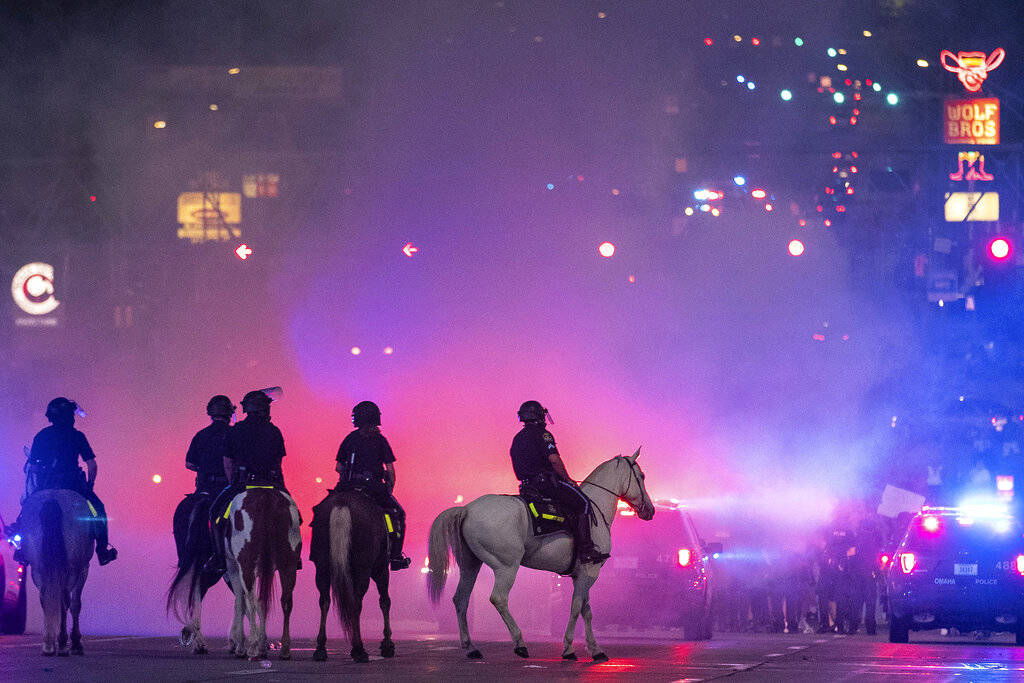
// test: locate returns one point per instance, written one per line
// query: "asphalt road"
(738, 657)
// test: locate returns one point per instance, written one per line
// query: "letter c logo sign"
(32, 289)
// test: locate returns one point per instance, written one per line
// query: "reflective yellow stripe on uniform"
(554, 517)
(387, 520)
(259, 487)
(227, 513)
(534, 510)
(92, 509)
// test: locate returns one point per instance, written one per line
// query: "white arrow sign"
(409, 250)
(243, 252)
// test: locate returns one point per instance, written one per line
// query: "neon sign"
(32, 289)
(971, 122)
(971, 67)
(972, 167)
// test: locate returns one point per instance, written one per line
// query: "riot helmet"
(366, 414)
(256, 402)
(61, 411)
(533, 411)
(220, 406)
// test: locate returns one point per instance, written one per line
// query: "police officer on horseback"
(208, 449)
(253, 451)
(540, 470)
(53, 464)
(366, 463)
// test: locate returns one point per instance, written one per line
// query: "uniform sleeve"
(342, 448)
(279, 443)
(231, 444)
(192, 457)
(36, 453)
(549, 443)
(386, 454)
(83, 447)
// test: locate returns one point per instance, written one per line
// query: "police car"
(13, 592)
(660, 574)
(958, 567)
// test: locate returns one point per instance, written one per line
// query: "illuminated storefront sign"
(971, 67)
(971, 167)
(33, 291)
(971, 122)
(258, 185)
(972, 206)
(207, 216)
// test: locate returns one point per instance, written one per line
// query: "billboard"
(972, 206)
(32, 289)
(971, 122)
(205, 216)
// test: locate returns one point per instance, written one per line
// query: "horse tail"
(54, 552)
(192, 553)
(445, 534)
(278, 517)
(340, 533)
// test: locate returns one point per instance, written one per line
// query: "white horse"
(496, 530)
(262, 537)
(58, 543)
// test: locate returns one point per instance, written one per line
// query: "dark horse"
(350, 547)
(195, 545)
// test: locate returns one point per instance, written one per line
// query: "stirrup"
(592, 556)
(106, 555)
(400, 562)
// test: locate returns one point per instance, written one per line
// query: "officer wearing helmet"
(254, 449)
(208, 449)
(366, 463)
(539, 468)
(53, 464)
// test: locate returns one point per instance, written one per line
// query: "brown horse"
(350, 547)
(56, 526)
(192, 580)
(262, 537)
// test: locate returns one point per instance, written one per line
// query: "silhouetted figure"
(539, 468)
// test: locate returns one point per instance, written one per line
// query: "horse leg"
(287, 577)
(206, 582)
(49, 599)
(382, 579)
(323, 585)
(236, 644)
(595, 652)
(467, 579)
(581, 584)
(76, 609)
(257, 649)
(504, 577)
(358, 652)
(62, 635)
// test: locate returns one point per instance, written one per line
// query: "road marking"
(797, 647)
(532, 666)
(775, 654)
(85, 641)
(822, 640)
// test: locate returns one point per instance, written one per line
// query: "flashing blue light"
(715, 556)
(832, 52)
(798, 41)
(750, 85)
(740, 78)
(551, 186)
(786, 95)
(839, 97)
(739, 180)
(877, 87)
(892, 99)
(17, 538)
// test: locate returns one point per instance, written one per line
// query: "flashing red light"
(795, 247)
(856, 112)
(868, 81)
(828, 223)
(758, 194)
(999, 248)
(1020, 564)
(755, 41)
(837, 155)
(832, 120)
(848, 82)
(853, 154)
(768, 207)
(685, 557)
(930, 523)
(709, 42)
(849, 190)
(840, 208)
(818, 337)
(92, 198)
(853, 120)
(856, 96)
(802, 222)
(884, 561)
(907, 562)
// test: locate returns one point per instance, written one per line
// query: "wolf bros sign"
(971, 122)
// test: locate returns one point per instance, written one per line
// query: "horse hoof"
(387, 650)
(285, 656)
(320, 656)
(522, 652)
(571, 657)
(361, 656)
(475, 654)
(49, 653)
(600, 658)
(187, 637)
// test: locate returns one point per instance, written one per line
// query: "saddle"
(546, 516)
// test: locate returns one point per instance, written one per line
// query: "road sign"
(972, 206)
(243, 252)
(409, 250)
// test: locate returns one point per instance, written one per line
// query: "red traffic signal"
(1000, 248)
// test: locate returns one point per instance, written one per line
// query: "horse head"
(627, 482)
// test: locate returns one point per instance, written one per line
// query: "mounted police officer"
(539, 468)
(254, 449)
(366, 463)
(53, 464)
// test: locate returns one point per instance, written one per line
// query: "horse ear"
(635, 455)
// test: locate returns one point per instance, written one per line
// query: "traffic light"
(1000, 249)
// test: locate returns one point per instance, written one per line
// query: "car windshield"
(949, 532)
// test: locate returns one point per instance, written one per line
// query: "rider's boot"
(588, 552)
(216, 564)
(397, 534)
(105, 552)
